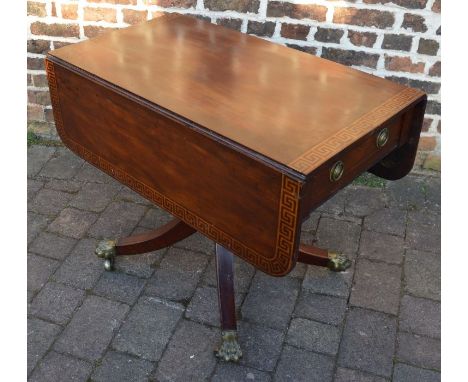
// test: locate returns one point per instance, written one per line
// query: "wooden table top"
(284, 106)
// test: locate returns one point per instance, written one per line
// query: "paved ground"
(155, 318)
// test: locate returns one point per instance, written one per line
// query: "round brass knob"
(336, 171)
(382, 137)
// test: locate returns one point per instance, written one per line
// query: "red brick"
(415, 23)
(60, 44)
(412, 4)
(397, 42)
(38, 46)
(35, 113)
(234, 24)
(403, 64)
(131, 16)
(436, 6)
(39, 97)
(124, 2)
(49, 115)
(439, 127)
(100, 14)
(29, 80)
(53, 10)
(364, 17)
(172, 3)
(91, 31)
(367, 39)
(435, 70)
(427, 46)
(156, 14)
(36, 63)
(59, 30)
(306, 49)
(242, 6)
(295, 31)
(69, 11)
(351, 57)
(427, 143)
(328, 35)
(40, 80)
(36, 9)
(296, 11)
(261, 28)
(427, 124)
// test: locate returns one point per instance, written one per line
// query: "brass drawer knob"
(382, 137)
(336, 171)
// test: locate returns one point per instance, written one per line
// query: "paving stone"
(52, 245)
(261, 346)
(298, 365)
(423, 230)
(362, 201)
(118, 367)
(119, 286)
(368, 342)
(57, 367)
(33, 187)
(94, 196)
(198, 243)
(41, 334)
(128, 195)
(178, 275)
(322, 280)
(243, 273)
(327, 309)
(118, 220)
(82, 268)
(189, 354)
(420, 316)
(406, 373)
(432, 188)
(63, 165)
(155, 217)
(338, 235)
(314, 336)
(406, 192)
(418, 351)
(271, 300)
(204, 308)
(91, 329)
(89, 173)
(349, 375)
(387, 220)
(70, 186)
(39, 271)
(422, 274)
(147, 328)
(36, 223)
(311, 224)
(50, 202)
(229, 372)
(72, 222)
(37, 157)
(376, 286)
(56, 302)
(298, 271)
(383, 247)
(335, 205)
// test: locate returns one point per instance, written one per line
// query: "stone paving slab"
(155, 318)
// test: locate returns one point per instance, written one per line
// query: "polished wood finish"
(226, 297)
(233, 135)
(311, 255)
(162, 237)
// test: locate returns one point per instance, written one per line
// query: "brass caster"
(229, 349)
(338, 262)
(106, 250)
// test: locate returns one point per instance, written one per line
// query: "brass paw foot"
(106, 250)
(338, 262)
(229, 349)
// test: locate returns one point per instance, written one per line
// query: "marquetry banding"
(288, 202)
(320, 153)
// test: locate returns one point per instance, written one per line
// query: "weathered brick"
(100, 14)
(36, 63)
(234, 24)
(91, 31)
(132, 16)
(351, 57)
(328, 35)
(69, 11)
(403, 64)
(172, 3)
(427, 143)
(261, 28)
(49, 115)
(416, 23)
(36, 113)
(428, 86)
(29, 79)
(57, 30)
(295, 31)
(435, 70)
(367, 39)
(40, 97)
(242, 6)
(432, 162)
(36, 9)
(123, 2)
(306, 49)
(412, 4)
(397, 42)
(436, 6)
(53, 9)
(433, 107)
(61, 44)
(427, 124)
(364, 17)
(296, 11)
(428, 46)
(40, 80)
(38, 46)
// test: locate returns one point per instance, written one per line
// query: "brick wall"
(396, 39)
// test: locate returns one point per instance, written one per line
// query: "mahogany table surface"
(233, 134)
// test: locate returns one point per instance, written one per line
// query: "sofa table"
(237, 137)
